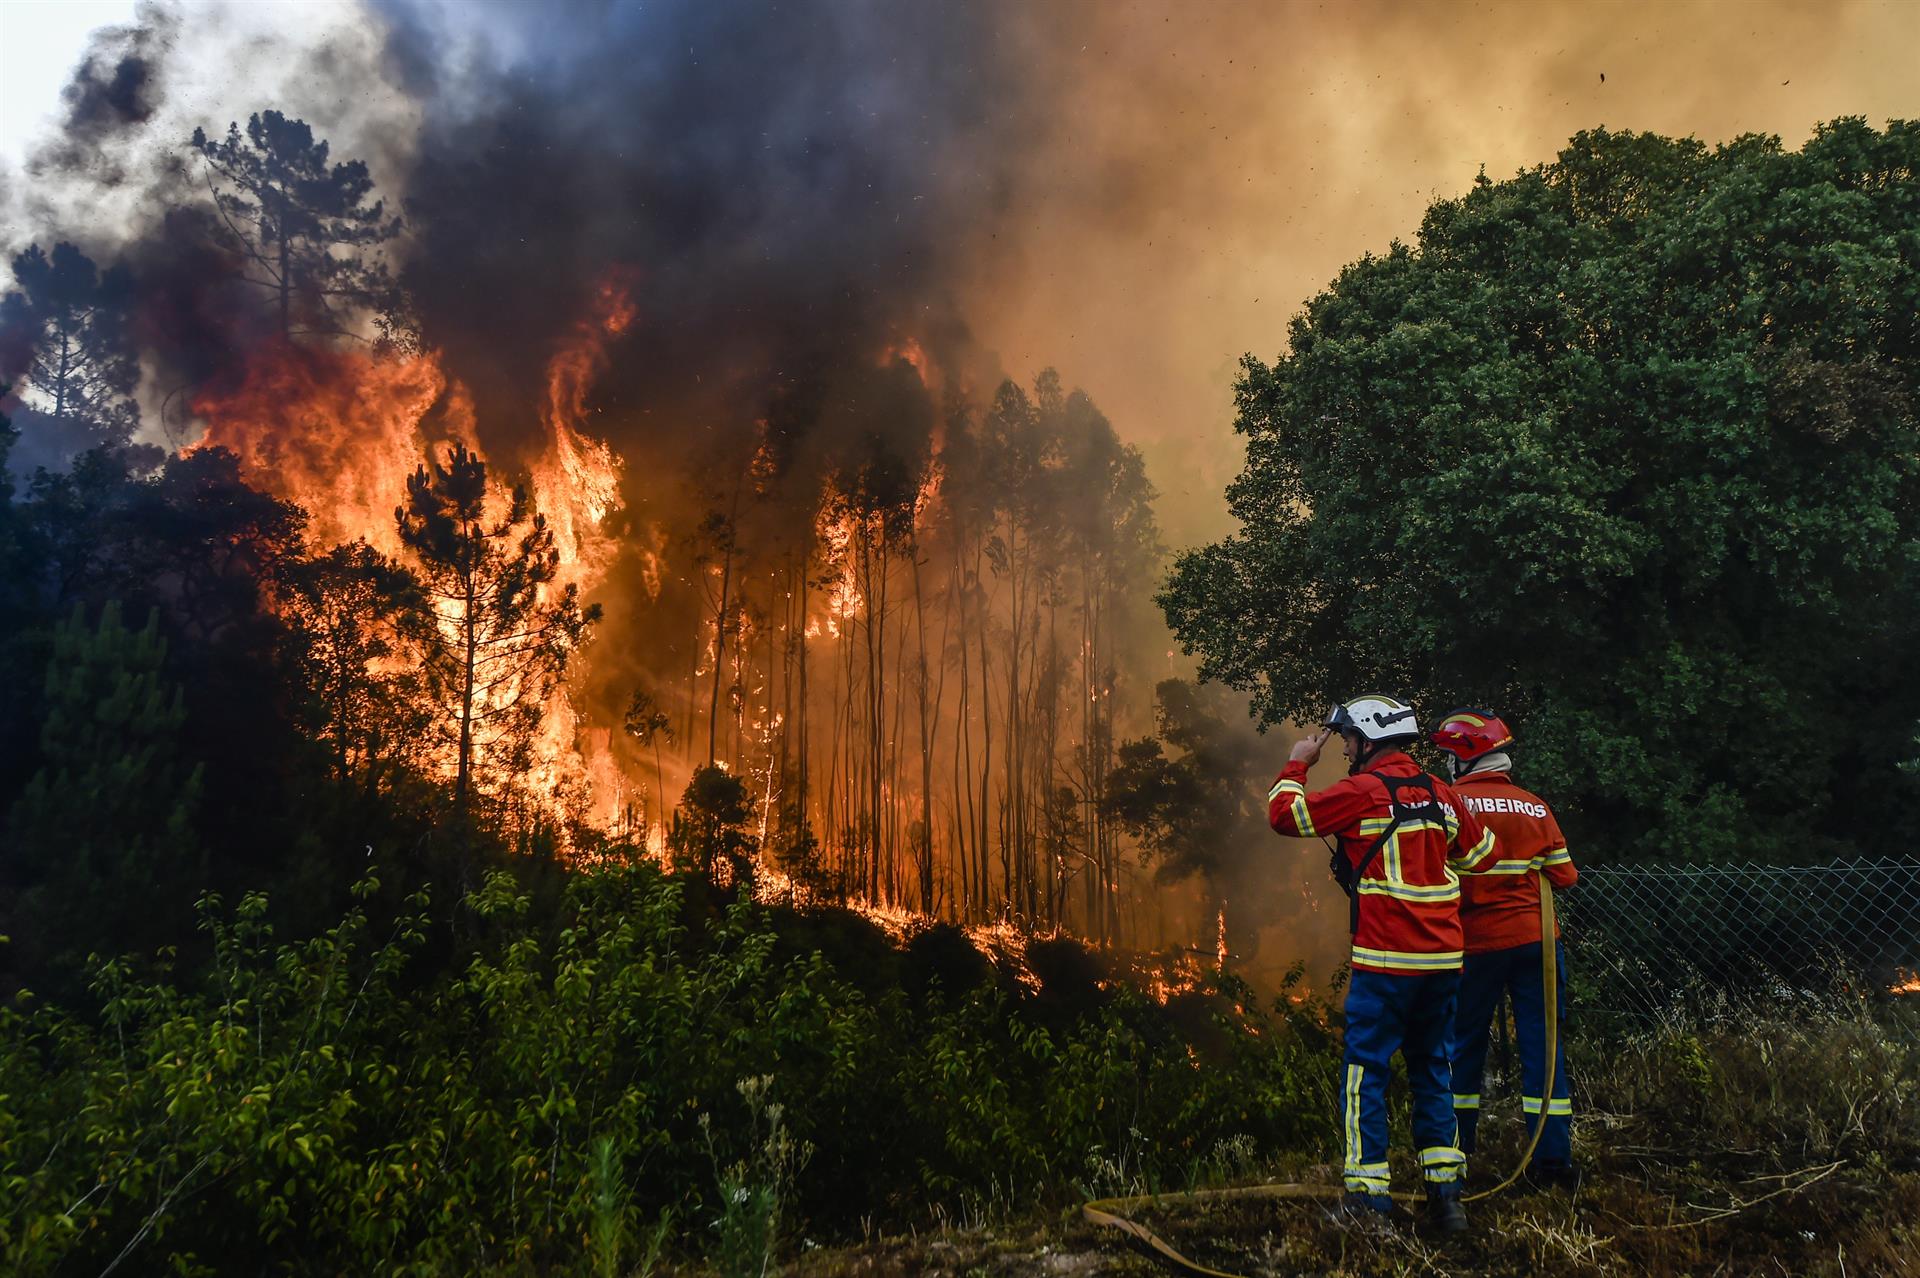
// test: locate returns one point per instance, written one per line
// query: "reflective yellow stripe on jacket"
(1438, 962)
(1480, 853)
(1296, 805)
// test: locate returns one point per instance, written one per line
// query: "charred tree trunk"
(719, 650)
(470, 649)
(926, 748)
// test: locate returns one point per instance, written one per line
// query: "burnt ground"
(1639, 1213)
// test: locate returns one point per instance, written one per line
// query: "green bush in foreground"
(636, 1071)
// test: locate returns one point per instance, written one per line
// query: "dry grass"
(1851, 1227)
(1747, 1143)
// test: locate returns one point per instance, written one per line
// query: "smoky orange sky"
(1216, 164)
(1194, 173)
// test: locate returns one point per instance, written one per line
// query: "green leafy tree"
(713, 826)
(206, 543)
(501, 634)
(304, 224)
(354, 620)
(1183, 793)
(102, 849)
(71, 322)
(1624, 446)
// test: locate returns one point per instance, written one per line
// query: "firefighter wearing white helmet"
(1379, 721)
(1402, 838)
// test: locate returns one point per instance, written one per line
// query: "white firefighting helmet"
(1376, 718)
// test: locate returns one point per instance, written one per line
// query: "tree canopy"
(1623, 447)
(70, 320)
(495, 648)
(304, 223)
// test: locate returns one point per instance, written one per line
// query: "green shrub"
(339, 1105)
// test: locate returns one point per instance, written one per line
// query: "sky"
(1219, 165)
(40, 41)
(1204, 169)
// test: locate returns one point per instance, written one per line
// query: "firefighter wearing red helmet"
(1402, 840)
(1500, 921)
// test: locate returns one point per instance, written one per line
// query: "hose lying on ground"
(1112, 1212)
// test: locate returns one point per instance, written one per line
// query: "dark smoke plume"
(789, 185)
(102, 97)
(117, 87)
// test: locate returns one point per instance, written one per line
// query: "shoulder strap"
(1396, 812)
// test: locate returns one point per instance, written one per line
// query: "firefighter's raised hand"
(1307, 749)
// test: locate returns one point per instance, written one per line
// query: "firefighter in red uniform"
(1500, 918)
(1403, 838)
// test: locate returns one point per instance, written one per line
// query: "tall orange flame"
(336, 432)
(339, 431)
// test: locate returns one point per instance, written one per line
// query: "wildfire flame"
(999, 941)
(843, 594)
(910, 350)
(577, 483)
(338, 432)
(1184, 977)
(1909, 982)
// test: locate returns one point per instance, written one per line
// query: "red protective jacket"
(1501, 905)
(1410, 893)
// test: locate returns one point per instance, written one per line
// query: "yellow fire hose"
(1112, 1212)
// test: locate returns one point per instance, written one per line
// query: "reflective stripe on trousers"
(1413, 1015)
(1484, 981)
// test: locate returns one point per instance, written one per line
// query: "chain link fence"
(1645, 940)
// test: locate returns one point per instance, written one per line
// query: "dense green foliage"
(332, 1105)
(105, 827)
(1625, 447)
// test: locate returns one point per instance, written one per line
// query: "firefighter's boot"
(1365, 1211)
(1555, 1176)
(1445, 1215)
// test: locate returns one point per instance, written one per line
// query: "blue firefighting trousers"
(1412, 1015)
(1488, 977)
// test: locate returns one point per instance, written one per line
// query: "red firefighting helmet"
(1468, 734)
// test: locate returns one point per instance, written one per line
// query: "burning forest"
(659, 506)
(903, 624)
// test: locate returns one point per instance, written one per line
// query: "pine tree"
(82, 369)
(353, 619)
(498, 645)
(308, 233)
(102, 838)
